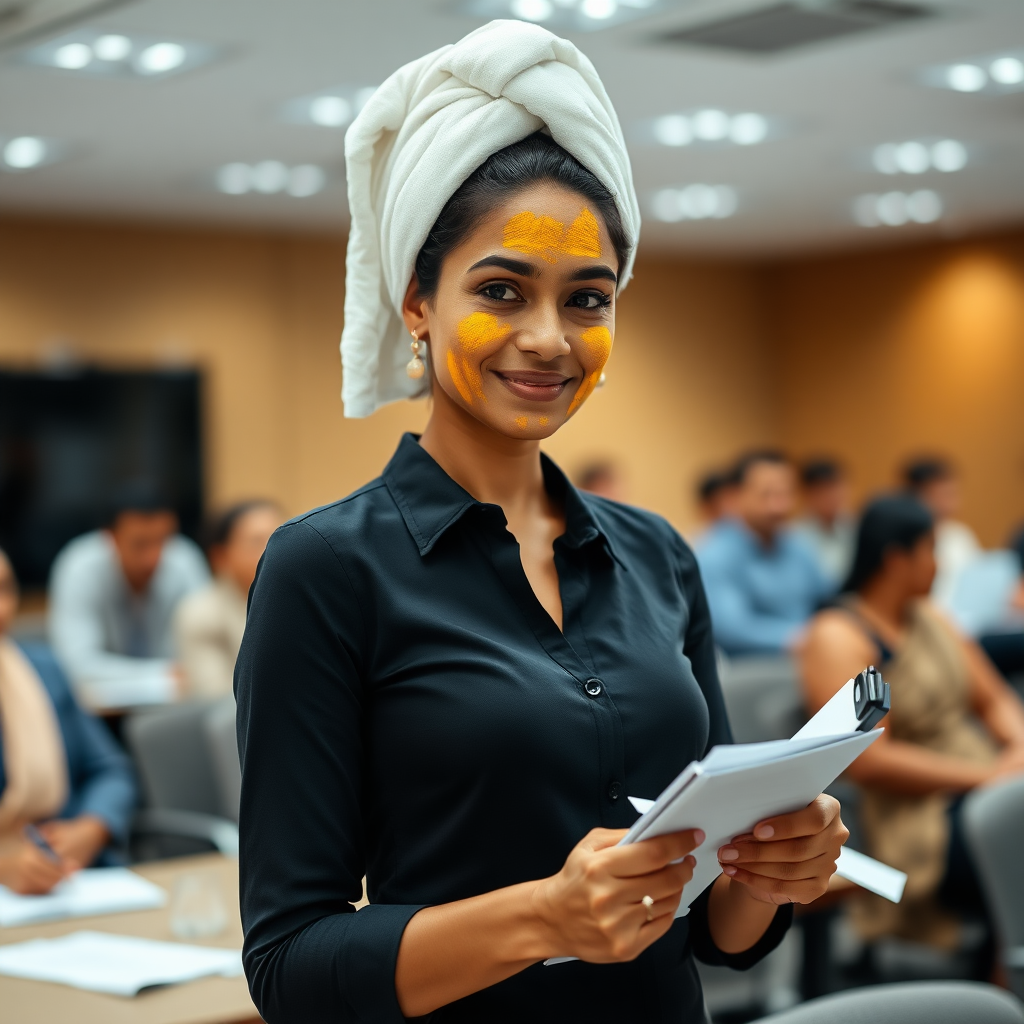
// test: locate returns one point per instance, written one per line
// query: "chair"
(993, 820)
(183, 807)
(222, 741)
(933, 1002)
(762, 697)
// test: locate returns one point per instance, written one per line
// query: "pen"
(34, 836)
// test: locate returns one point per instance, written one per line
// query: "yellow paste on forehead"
(548, 238)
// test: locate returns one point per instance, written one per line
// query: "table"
(206, 1001)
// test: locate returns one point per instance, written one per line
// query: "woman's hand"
(77, 841)
(593, 907)
(789, 858)
(29, 872)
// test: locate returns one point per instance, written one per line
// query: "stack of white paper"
(88, 892)
(119, 965)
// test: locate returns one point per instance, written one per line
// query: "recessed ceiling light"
(330, 108)
(234, 179)
(72, 56)
(1007, 70)
(710, 126)
(748, 129)
(966, 78)
(330, 111)
(270, 177)
(895, 209)
(112, 47)
(917, 157)
(24, 152)
(567, 15)
(673, 130)
(160, 58)
(693, 202)
(305, 180)
(599, 10)
(532, 10)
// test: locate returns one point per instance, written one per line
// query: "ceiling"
(148, 149)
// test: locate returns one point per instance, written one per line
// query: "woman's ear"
(414, 311)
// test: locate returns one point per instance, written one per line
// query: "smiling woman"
(451, 679)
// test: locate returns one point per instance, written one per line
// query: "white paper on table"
(119, 965)
(87, 892)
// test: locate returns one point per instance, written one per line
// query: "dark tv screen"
(69, 441)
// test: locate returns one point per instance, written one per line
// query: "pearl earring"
(602, 380)
(415, 368)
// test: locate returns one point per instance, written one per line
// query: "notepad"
(87, 892)
(119, 965)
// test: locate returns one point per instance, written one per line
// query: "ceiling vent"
(787, 26)
(21, 20)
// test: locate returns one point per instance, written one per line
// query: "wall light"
(567, 15)
(694, 202)
(710, 125)
(113, 55)
(331, 108)
(916, 157)
(897, 208)
(270, 177)
(993, 73)
(27, 152)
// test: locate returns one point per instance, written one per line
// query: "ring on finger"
(648, 903)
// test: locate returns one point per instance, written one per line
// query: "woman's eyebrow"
(520, 267)
(599, 270)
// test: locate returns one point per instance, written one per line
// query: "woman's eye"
(500, 292)
(589, 300)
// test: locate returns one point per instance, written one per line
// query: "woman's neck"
(887, 603)
(495, 469)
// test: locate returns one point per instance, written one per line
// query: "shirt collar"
(431, 502)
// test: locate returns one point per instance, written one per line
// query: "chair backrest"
(763, 697)
(171, 751)
(219, 727)
(994, 826)
(927, 1002)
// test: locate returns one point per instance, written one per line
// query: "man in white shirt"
(113, 593)
(934, 481)
(827, 524)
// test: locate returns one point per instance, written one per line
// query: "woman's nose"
(543, 335)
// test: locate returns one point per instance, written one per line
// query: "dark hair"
(815, 472)
(747, 461)
(219, 529)
(139, 495)
(921, 472)
(893, 521)
(595, 471)
(713, 483)
(536, 158)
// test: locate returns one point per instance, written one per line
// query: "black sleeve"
(301, 699)
(699, 646)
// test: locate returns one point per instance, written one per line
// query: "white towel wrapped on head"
(421, 135)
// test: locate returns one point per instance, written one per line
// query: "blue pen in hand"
(34, 836)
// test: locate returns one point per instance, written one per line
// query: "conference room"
(511, 509)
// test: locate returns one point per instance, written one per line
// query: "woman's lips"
(534, 385)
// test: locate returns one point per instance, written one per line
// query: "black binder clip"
(870, 698)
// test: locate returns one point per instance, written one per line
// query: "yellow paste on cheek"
(522, 422)
(548, 238)
(599, 341)
(474, 332)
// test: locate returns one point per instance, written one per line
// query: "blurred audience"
(60, 769)
(935, 482)
(827, 524)
(209, 623)
(716, 495)
(762, 580)
(113, 593)
(603, 478)
(954, 723)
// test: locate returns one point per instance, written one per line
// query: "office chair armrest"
(164, 821)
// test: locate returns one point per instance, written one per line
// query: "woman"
(59, 768)
(954, 723)
(209, 623)
(449, 678)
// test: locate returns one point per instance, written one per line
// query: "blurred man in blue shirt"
(763, 581)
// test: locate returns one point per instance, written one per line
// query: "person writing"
(452, 679)
(954, 723)
(60, 769)
(209, 623)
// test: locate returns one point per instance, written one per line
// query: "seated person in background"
(934, 481)
(827, 524)
(603, 478)
(112, 596)
(716, 495)
(209, 623)
(59, 768)
(762, 580)
(954, 723)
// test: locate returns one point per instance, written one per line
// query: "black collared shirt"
(407, 709)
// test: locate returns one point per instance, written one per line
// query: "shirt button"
(593, 687)
(614, 790)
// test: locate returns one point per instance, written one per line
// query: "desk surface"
(207, 1001)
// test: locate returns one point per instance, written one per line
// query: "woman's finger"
(822, 866)
(658, 884)
(809, 821)
(754, 852)
(802, 890)
(653, 854)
